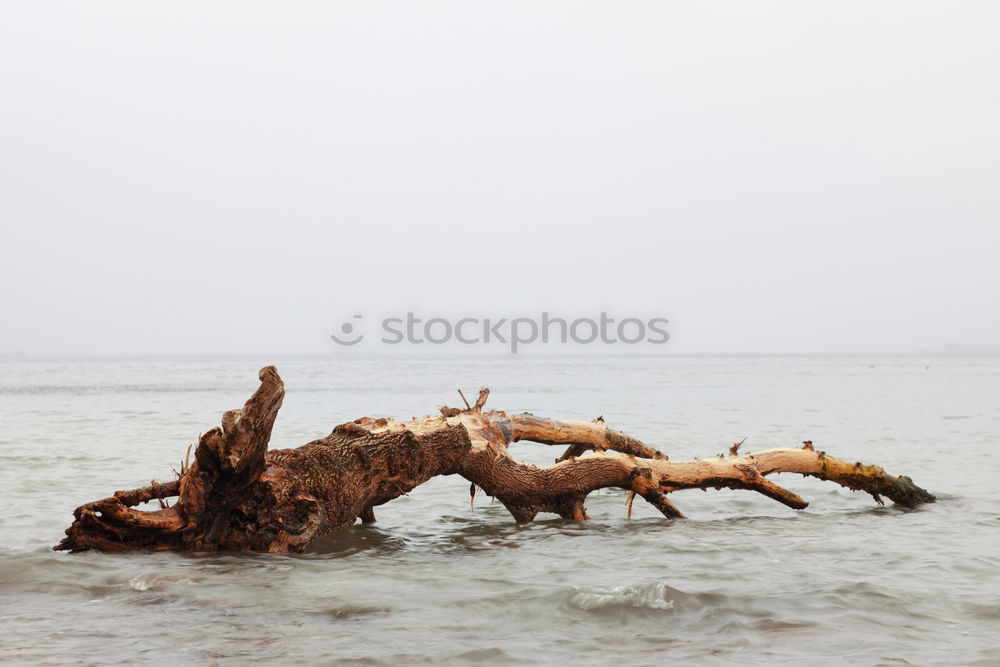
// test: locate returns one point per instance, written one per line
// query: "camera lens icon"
(347, 329)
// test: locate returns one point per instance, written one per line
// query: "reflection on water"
(742, 580)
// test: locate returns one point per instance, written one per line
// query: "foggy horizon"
(183, 179)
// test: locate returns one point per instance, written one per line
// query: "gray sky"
(190, 177)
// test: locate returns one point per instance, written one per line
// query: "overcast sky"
(240, 177)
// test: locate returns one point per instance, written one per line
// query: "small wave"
(156, 582)
(656, 596)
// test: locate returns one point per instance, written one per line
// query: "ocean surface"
(742, 580)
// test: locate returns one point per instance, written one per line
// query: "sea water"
(742, 579)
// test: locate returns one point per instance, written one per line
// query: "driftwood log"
(237, 495)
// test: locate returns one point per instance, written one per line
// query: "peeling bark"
(237, 495)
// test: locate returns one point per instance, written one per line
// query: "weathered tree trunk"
(237, 495)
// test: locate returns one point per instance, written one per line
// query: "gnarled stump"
(237, 495)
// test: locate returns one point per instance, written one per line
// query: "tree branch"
(239, 495)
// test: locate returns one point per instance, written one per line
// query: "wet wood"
(238, 495)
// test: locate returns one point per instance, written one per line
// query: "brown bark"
(237, 495)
